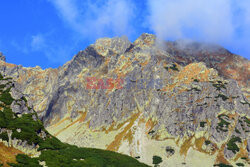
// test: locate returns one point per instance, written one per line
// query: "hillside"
(187, 103)
(25, 142)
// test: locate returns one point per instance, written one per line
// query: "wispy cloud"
(93, 19)
(221, 21)
(41, 44)
(226, 22)
(54, 52)
(37, 42)
(203, 19)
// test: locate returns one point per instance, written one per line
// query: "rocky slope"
(185, 102)
(25, 142)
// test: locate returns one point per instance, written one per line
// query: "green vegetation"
(240, 164)
(29, 128)
(173, 67)
(222, 125)
(237, 131)
(51, 143)
(196, 80)
(2, 86)
(151, 132)
(5, 97)
(53, 152)
(194, 88)
(23, 98)
(25, 161)
(247, 120)
(170, 150)
(4, 136)
(157, 160)
(231, 145)
(5, 116)
(202, 124)
(74, 156)
(245, 102)
(224, 98)
(244, 122)
(219, 85)
(207, 142)
(65, 155)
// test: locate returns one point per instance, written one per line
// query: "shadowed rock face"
(2, 57)
(198, 102)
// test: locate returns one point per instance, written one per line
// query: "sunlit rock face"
(183, 101)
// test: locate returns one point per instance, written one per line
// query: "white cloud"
(226, 22)
(203, 19)
(93, 19)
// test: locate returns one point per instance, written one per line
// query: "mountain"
(184, 102)
(25, 142)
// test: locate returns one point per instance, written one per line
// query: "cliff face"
(185, 102)
(25, 142)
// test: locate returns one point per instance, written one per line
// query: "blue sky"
(50, 32)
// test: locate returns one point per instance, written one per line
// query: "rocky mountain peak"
(116, 45)
(145, 40)
(187, 97)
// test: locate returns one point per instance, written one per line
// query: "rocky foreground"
(185, 102)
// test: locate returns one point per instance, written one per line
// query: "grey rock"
(2, 57)
(179, 110)
(228, 153)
